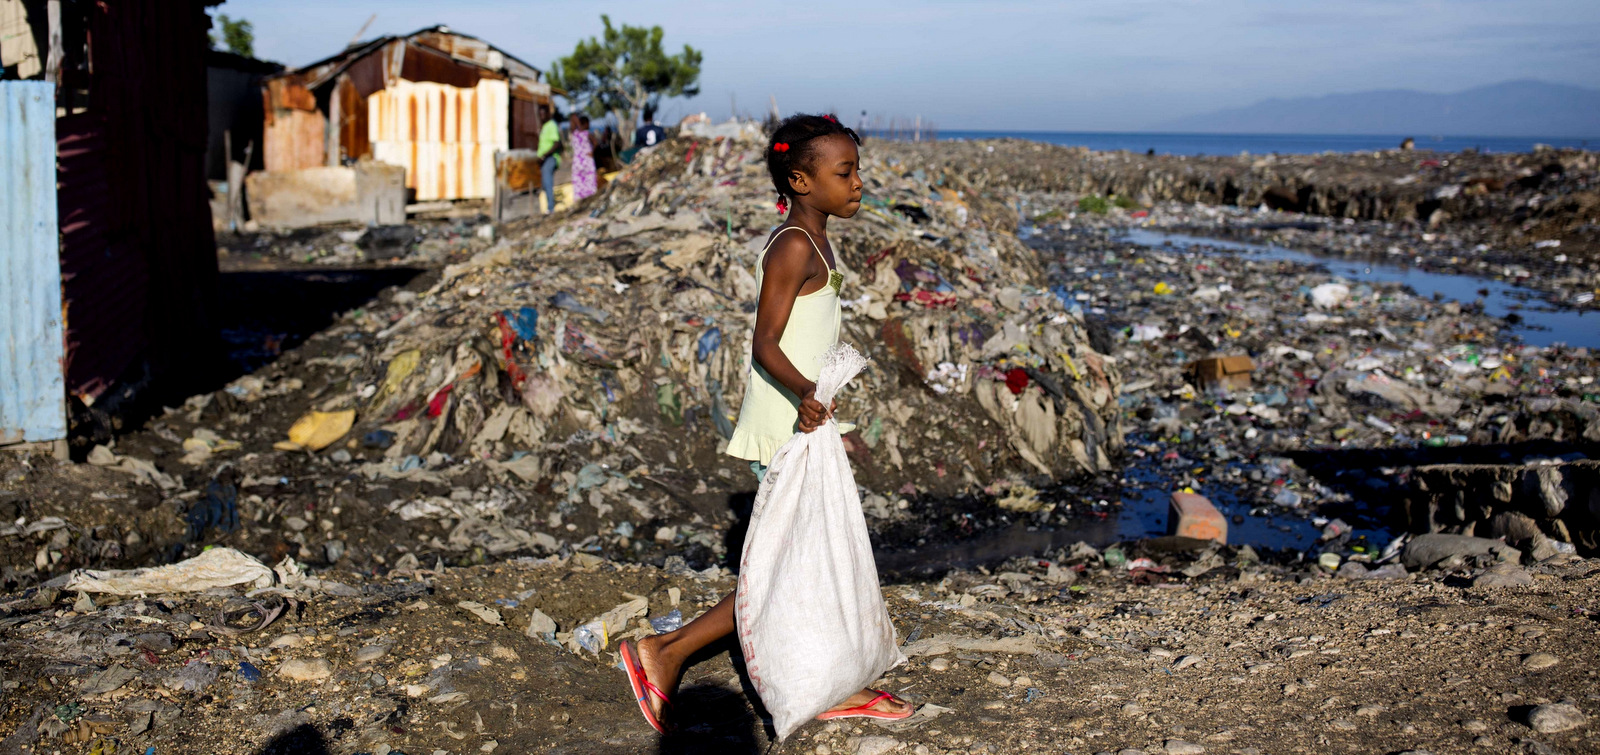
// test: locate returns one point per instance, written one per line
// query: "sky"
(1121, 65)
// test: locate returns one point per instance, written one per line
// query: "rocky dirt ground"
(1242, 658)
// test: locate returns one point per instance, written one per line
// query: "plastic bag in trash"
(591, 636)
(217, 567)
(670, 622)
(524, 321)
(565, 300)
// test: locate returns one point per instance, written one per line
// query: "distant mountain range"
(1512, 108)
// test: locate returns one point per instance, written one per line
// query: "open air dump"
(430, 524)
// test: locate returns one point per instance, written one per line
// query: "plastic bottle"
(591, 636)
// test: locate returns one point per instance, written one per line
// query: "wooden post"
(52, 61)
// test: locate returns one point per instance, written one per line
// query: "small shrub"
(1094, 203)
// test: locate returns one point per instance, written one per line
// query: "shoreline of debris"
(1530, 218)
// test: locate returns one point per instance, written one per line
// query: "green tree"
(239, 36)
(624, 71)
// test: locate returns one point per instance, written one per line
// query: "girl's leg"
(663, 656)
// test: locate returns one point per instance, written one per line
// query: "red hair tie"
(830, 117)
(783, 205)
(780, 147)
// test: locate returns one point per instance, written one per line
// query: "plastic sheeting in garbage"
(217, 567)
(812, 622)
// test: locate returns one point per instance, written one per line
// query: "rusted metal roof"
(461, 47)
(436, 102)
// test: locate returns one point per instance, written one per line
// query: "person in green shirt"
(549, 153)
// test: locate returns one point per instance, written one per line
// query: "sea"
(1264, 144)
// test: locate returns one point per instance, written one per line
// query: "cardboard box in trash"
(1227, 372)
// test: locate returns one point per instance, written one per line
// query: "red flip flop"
(642, 687)
(866, 711)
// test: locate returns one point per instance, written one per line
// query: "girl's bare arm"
(788, 267)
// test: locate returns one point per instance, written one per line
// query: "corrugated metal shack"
(233, 94)
(137, 257)
(436, 102)
(32, 397)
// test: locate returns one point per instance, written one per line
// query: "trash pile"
(1545, 506)
(1525, 217)
(1297, 390)
(572, 385)
(422, 242)
(1548, 192)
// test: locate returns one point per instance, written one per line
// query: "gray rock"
(1426, 550)
(1503, 575)
(1515, 526)
(1388, 571)
(1540, 548)
(1553, 718)
(370, 653)
(1538, 661)
(1551, 491)
(874, 745)
(306, 669)
(1181, 747)
(1535, 747)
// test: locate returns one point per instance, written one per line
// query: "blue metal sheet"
(32, 389)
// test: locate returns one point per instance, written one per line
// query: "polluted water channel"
(1142, 513)
(1539, 325)
(1149, 479)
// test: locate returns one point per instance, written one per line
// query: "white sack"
(218, 567)
(811, 619)
(1329, 295)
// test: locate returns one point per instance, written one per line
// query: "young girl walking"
(813, 161)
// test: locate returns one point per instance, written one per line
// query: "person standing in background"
(861, 126)
(583, 176)
(549, 153)
(649, 134)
